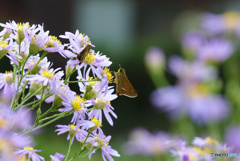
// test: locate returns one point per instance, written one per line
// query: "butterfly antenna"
(119, 65)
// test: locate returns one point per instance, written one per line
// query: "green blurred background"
(123, 30)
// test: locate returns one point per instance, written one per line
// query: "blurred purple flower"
(145, 143)
(29, 153)
(188, 72)
(217, 50)
(232, 138)
(192, 100)
(221, 23)
(214, 23)
(57, 157)
(14, 120)
(192, 41)
(155, 58)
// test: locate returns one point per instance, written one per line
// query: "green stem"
(69, 147)
(47, 118)
(69, 74)
(20, 94)
(28, 104)
(55, 119)
(40, 101)
(80, 149)
(48, 111)
(28, 96)
(44, 54)
(93, 80)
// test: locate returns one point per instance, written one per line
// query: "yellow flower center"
(200, 151)
(96, 122)
(8, 77)
(90, 58)
(100, 142)
(51, 42)
(76, 103)
(28, 148)
(85, 41)
(108, 73)
(4, 144)
(197, 90)
(231, 19)
(212, 141)
(100, 104)
(192, 157)
(3, 44)
(93, 83)
(22, 25)
(47, 74)
(2, 122)
(22, 158)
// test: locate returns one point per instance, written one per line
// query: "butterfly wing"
(81, 56)
(124, 87)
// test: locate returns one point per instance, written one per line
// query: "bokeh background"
(123, 30)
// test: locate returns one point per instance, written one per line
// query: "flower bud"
(34, 49)
(89, 93)
(155, 59)
(100, 104)
(34, 70)
(21, 35)
(34, 87)
(7, 33)
(57, 102)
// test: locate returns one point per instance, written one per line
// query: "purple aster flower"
(38, 37)
(98, 87)
(29, 153)
(77, 43)
(100, 141)
(93, 59)
(32, 61)
(46, 76)
(6, 48)
(9, 87)
(193, 100)
(217, 50)
(73, 131)
(92, 124)
(74, 102)
(57, 157)
(232, 138)
(102, 104)
(54, 45)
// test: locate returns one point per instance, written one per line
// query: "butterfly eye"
(121, 70)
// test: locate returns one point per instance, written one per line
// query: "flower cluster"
(33, 76)
(206, 149)
(143, 142)
(197, 92)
